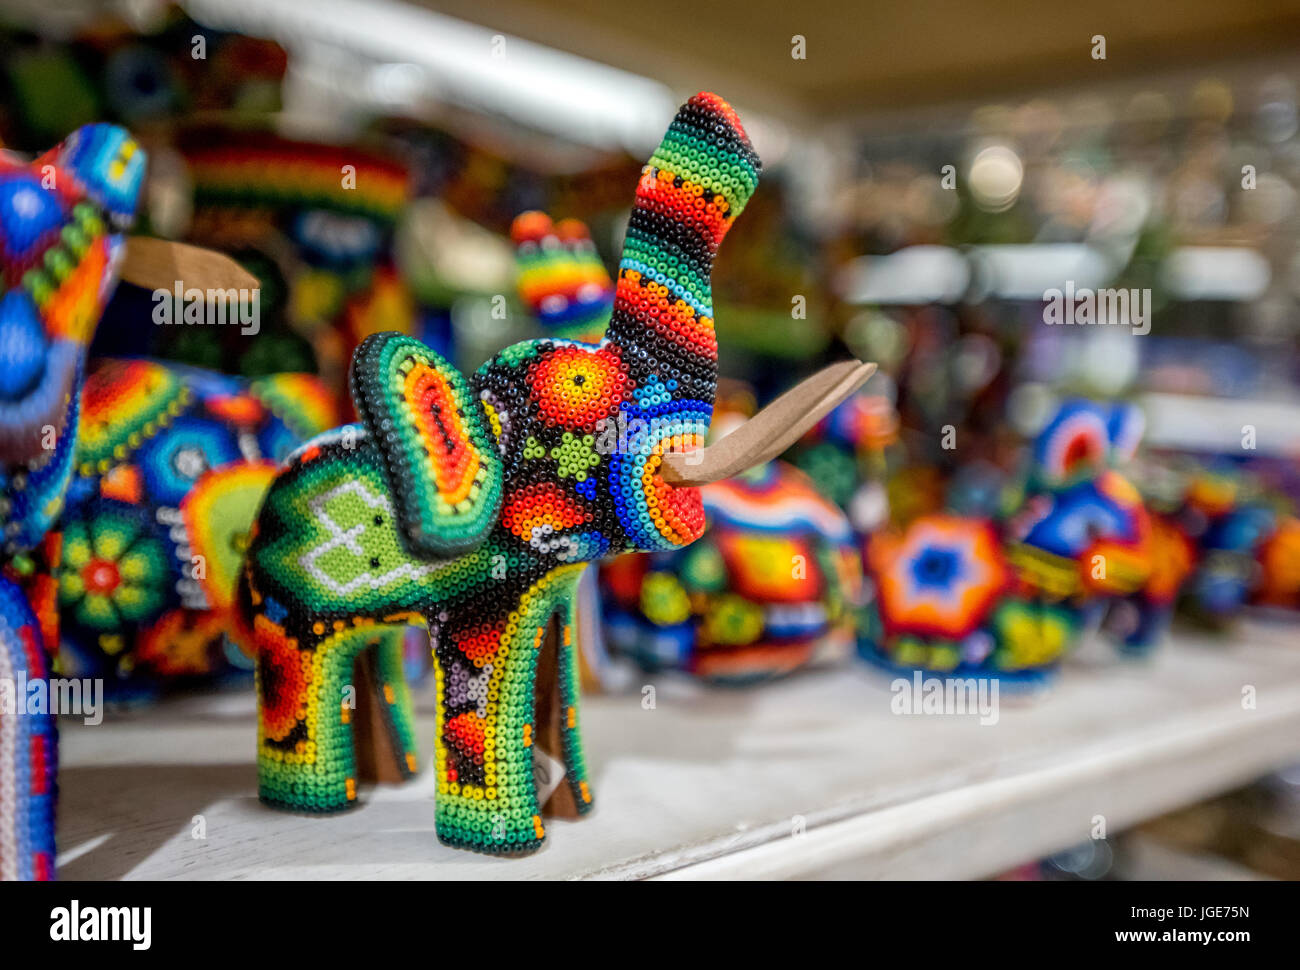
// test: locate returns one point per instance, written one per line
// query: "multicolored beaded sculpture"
(171, 466)
(473, 506)
(1228, 520)
(965, 597)
(61, 223)
(561, 278)
(773, 585)
(1279, 560)
(324, 215)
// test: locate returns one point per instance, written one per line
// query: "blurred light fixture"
(1277, 118)
(912, 275)
(472, 66)
(941, 274)
(1215, 273)
(1213, 425)
(1026, 272)
(995, 177)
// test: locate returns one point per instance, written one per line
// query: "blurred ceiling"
(864, 57)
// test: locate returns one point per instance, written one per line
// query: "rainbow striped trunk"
(695, 185)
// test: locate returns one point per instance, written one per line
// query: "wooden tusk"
(772, 430)
(159, 264)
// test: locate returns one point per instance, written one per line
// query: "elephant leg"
(307, 702)
(28, 745)
(488, 733)
(384, 722)
(556, 703)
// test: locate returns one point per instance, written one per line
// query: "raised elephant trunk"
(691, 191)
(695, 185)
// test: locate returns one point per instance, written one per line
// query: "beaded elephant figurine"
(63, 247)
(473, 506)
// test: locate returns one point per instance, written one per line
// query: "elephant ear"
(107, 166)
(1074, 445)
(1126, 426)
(441, 461)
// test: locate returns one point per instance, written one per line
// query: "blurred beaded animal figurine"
(319, 220)
(62, 218)
(1085, 545)
(959, 596)
(473, 506)
(171, 466)
(1228, 520)
(62, 249)
(772, 586)
(561, 278)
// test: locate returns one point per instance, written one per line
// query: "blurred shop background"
(932, 170)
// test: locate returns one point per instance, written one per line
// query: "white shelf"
(708, 784)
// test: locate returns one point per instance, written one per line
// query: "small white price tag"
(548, 772)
